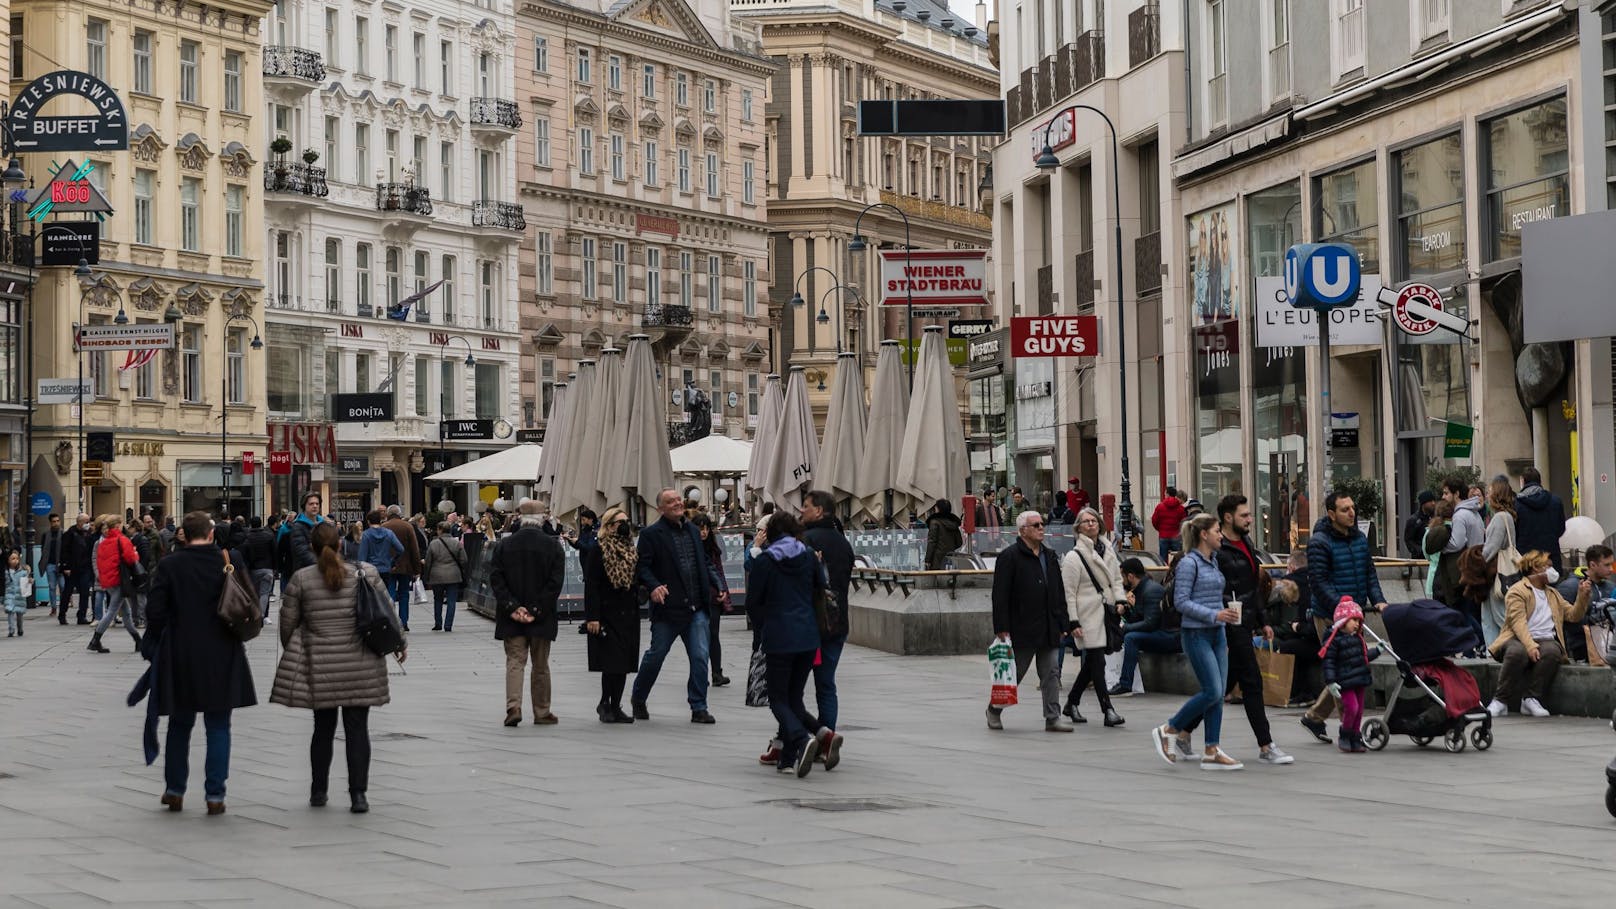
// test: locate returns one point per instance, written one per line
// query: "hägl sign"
(1054, 336)
(934, 277)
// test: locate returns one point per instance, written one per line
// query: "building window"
(333, 274)
(1431, 211)
(546, 387)
(490, 293)
(648, 82)
(714, 275)
(191, 364)
(145, 189)
(446, 386)
(712, 175)
(749, 288)
(684, 170)
(1277, 25)
(1430, 19)
(393, 267)
(423, 373)
(620, 273)
(752, 395)
(541, 54)
(715, 386)
(190, 51)
(653, 277)
(746, 105)
(418, 49)
(390, 52)
(545, 271)
(235, 381)
(446, 67)
(1526, 173)
(650, 162)
(1348, 202)
(146, 380)
(361, 362)
(17, 46)
(333, 134)
(421, 257)
(1149, 159)
(583, 65)
(282, 278)
(143, 62)
(709, 96)
(331, 38)
(95, 48)
(232, 81)
(687, 264)
(361, 45)
(361, 135)
(1347, 26)
(446, 171)
(586, 150)
(234, 203)
(614, 73)
(450, 264)
(541, 141)
(586, 248)
(489, 390)
(190, 214)
(619, 168)
(681, 90)
(748, 187)
(362, 279)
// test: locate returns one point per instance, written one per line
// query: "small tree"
(280, 146)
(1437, 476)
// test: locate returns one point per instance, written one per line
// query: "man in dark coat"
(1539, 518)
(77, 574)
(824, 535)
(200, 666)
(525, 574)
(259, 550)
(1339, 564)
(407, 567)
(1142, 624)
(292, 548)
(1029, 610)
(1414, 529)
(682, 583)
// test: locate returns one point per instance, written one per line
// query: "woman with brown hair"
(612, 612)
(1498, 548)
(325, 665)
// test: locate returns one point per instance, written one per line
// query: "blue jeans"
(1164, 548)
(662, 637)
(1149, 642)
(444, 594)
(53, 578)
(830, 653)
(1208, 650)
(399, 585)
(177, 752)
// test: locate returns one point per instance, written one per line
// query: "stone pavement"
(929, 808)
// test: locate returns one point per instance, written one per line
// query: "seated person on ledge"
(1294, 634)
(1141, 623)
(1532, 643)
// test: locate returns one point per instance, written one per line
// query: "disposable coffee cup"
(1235, 605)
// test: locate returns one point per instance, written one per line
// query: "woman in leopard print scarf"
(612, 612)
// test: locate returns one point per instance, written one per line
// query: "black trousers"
(356, 737)
(788, 677)
(715, 651)
(79, 584)
(611, 688)
(1092, 673)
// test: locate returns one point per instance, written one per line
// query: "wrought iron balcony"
(1144, 34)
(505, 215)
(495, 112)
(285, 62)
(661, 315)
(1147, 262)
(295, 178)
(403, 197)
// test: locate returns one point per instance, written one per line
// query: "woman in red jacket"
(112, 552)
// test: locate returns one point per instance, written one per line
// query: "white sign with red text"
(934, 277)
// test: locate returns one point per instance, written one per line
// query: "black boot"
(317, 797)
(95, 645)
(357, 803)
(1074, 713)
(137, 642)
(604, 711)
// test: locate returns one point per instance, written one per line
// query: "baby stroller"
(1434, 698)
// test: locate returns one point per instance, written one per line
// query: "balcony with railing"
(1217, 100)
(296, 179)
(1083, 274)
(1144, 34)
(1147, 262)
(1046, 290)
(1279, 70)
(404, 198)
(495, 113)
(502, 215)
(294, 64)
(666, 324)
(1088, 60)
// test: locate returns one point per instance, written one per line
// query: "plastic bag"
(1002, 660)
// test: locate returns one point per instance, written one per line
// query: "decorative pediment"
(101, 291)
(193, 299)
(238, 161)
(691, 347)
(237, 301)
(718, 350)
(615, 111)
(683, 128)
(712, 133)
(147, 295)
(650, 121)
(145, 144)
(671, 17)
(193, 152)
(548, 336)
(593, 339)
(586, 106)
(754, 352)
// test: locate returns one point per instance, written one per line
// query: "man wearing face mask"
(1532, 643)
(682, 583)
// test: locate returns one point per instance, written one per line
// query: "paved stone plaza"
(466, 812)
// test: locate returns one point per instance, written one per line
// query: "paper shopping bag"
(1278, 671)
(1002, 660)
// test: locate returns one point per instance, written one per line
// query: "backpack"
(377, 629)
(283, 550)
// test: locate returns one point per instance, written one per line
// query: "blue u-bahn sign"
(1322, 275)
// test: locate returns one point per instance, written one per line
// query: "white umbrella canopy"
(889, 414)
(574, 487)
(932, 463)
(796, 452)
(603, 459)
(642, 437)
(763, 438)
(517, 464)
(714, 454)
(549, 457)
(845, 428)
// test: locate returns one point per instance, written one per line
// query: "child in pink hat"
(1346, 671)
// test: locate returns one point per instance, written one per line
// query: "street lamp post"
(1047, 162)
(224, 401)
(443, 395)
(841, 311)
(857, 245)
(797, 302)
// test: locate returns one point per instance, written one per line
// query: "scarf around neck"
(619, 559)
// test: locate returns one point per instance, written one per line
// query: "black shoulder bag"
(1113, 619)
(377, 629)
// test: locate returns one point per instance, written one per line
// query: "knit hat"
(1345, 611)
(1194, 505)
(1426, 496)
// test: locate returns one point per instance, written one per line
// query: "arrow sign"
(1417, 309)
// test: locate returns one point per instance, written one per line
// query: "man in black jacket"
(259, 550)
(77, 573)
(824, 536)
(1029, 610)
(1539, 518)
(1142, 624)
(681, 581)
(1414, 530)
(525, 573)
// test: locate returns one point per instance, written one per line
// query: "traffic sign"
(41, 503)
(1322, 275)
(1418, 310)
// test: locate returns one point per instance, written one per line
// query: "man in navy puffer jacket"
(1339, 564)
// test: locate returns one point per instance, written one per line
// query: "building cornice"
(607, 27)
(881, 42)
(683, 215)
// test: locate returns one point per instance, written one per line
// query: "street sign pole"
(1326, 451)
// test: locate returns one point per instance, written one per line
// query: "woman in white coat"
(1092, 577)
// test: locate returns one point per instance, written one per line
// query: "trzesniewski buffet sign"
(934, 277)
(106, 129)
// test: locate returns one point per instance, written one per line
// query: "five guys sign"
(1054, 336)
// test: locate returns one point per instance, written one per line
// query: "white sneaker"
(1531, 707)
(1497, 708)
(1275, 756)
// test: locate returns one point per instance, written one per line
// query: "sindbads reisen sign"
(1055, 336)
(126, 337)
(934, 277)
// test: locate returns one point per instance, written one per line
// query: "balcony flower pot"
(310, 156)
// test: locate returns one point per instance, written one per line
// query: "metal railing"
(1144, 34)
(286, 177)
(1279, 69)
(1217, 90)
(293, 62)
(495, 112)
(403, 197)
(663, 315)
(1147, 262)
(506, 215)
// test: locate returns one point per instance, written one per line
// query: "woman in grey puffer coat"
(325, 665)
(445, 575)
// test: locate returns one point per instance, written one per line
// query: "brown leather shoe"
(215, 808)
(549, 719)
(513, 717)
(174, 802)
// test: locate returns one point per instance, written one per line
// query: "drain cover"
(853, 804)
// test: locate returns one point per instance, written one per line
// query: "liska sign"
(934, 277)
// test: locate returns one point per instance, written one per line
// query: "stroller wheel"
(1374, 734)
(1481, 737)
(1610, 799)
(1454, 740)
(1421, 740)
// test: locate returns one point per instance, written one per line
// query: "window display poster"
(1211, 264)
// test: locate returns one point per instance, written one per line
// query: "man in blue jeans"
(1145, 631)
(675, 569)
(406, 567)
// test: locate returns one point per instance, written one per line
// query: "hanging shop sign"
(468, 429)
(369, 407)
(1055, 336)
(934, 277)
(106, 129)
(1457, 440)
(1279, 324)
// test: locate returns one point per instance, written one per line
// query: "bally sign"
(940, 277)
(1054, 336)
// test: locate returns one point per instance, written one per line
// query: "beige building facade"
(642, 174)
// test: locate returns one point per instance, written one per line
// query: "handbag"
(377, 628)
(1113, 618)
(131, 577)
(827, 612)
(238, 606)
(1002, 673)
(1509, 556)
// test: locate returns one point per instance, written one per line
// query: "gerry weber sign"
(107, 129)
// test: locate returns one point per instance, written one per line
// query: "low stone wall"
(924, 613)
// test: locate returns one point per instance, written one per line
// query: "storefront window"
(1034, 396)
(1430, 207)
(1527, 173)
(985, 433)
(1279, 382)
(1348, 212)
(200, 490)
(1220, 431)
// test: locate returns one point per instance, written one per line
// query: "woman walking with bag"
(114, 557)
(326, 666)
(1498, 548)
(612, 613)
(1093, 581)
(783, 582)
(445, 574)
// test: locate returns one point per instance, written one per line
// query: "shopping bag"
(1599, 645)
(1278, 671)
(1002, 660)
(757, 688)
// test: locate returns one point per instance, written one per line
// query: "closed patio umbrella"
(889, 412)
(548, 458)
(600, 428)
(642, 438)
(796, 452)
(932, 462)
(575, 488)
(764, 436)
(843, 448)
